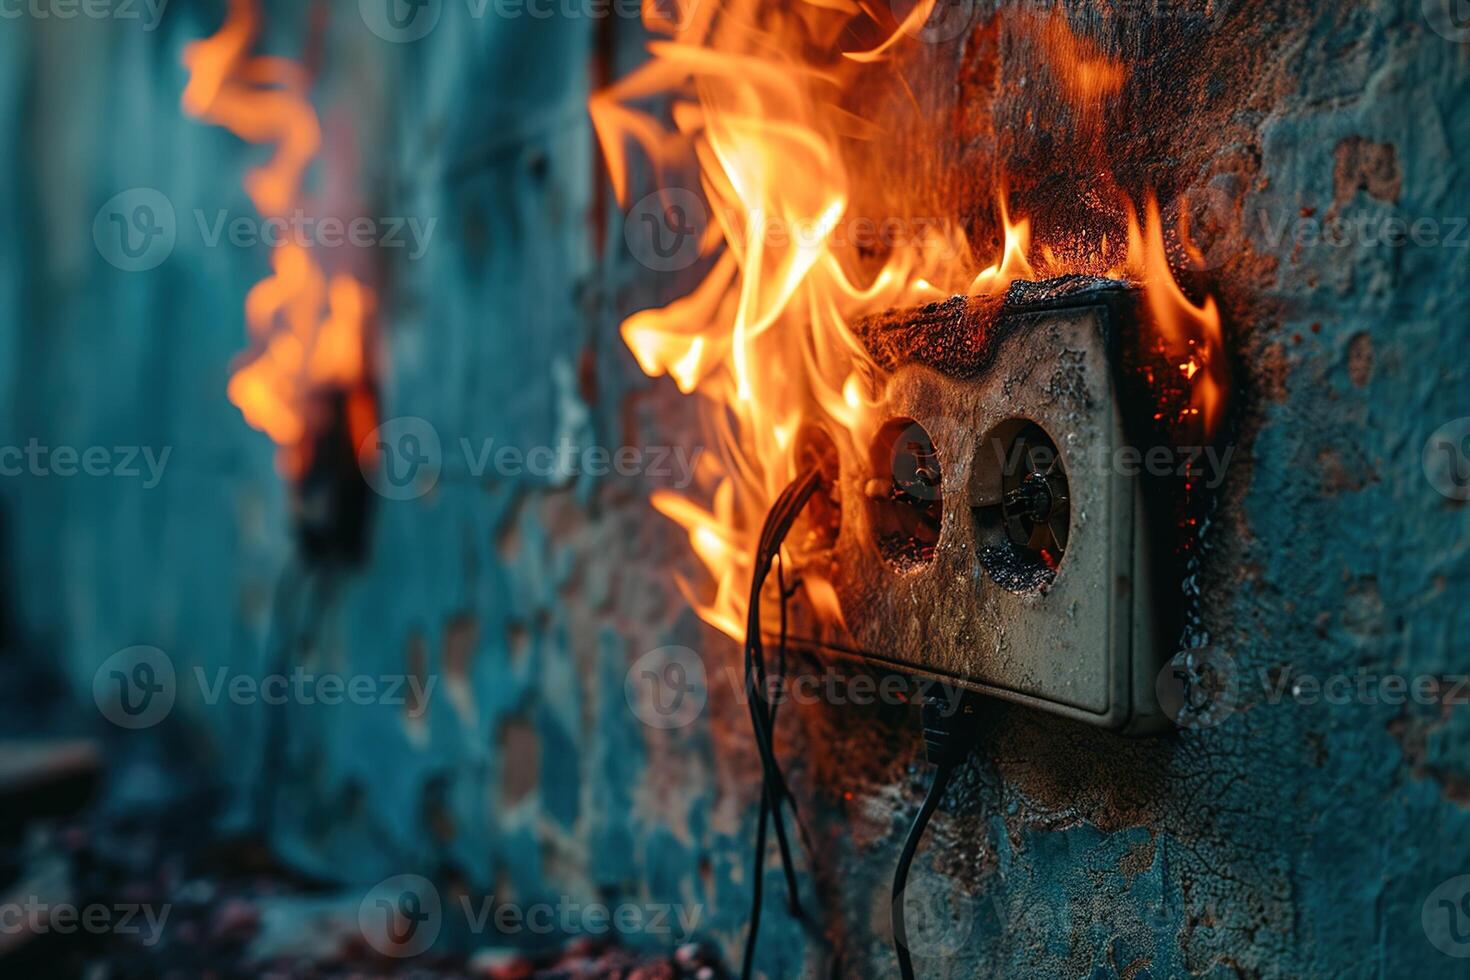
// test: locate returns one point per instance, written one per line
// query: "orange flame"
(1191, 335)
(306, 329)
(765, 340)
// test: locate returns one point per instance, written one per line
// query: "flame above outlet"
(757, 99)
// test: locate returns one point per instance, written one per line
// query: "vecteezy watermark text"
(567, 459)
(1364, 686)
(150, 12)
(566, 916)
(406, 21)
(138, 229)
(35, 916)
(1204, 465)
(668, 687)
(309, 231)
(120, 462)
(403, 915)
(304, 687)
(1369, 230)
(404, 458)
(839, 688)
(664, 231)
(137, 687)
(1201, 687)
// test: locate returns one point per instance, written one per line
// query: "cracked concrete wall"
(1291, 840)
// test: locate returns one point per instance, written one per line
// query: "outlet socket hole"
(1021, 501)
(905, 494)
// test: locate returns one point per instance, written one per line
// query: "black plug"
(950, 719)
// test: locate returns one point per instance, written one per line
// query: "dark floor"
(113, 832)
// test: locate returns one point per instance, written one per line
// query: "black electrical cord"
(949, 728)
(778, 524)
(782, 516)
(949, 731)
(901, 874)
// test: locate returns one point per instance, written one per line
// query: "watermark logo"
(1446, 917)
(663, 230)
(139, 229)
(401, 916)
(947, 20)
(135, 688)
(567, 917)
(1447, 459)
(402, 458)
(1209, 13)
(401, 21)
(301, 230)
(136, 230)
(303, 687)
(674, 464)
(406, 21)
(1450, 19)
(940, 917)
(1363, 688)
(1198, 687)
(1369, 229)
(667, 687)
(840, 688)
(1206, 466)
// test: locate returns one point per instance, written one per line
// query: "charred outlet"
(998, 539)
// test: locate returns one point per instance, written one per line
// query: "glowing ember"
(306, 329)
(764, 341)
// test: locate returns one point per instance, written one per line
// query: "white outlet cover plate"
(1084, 646)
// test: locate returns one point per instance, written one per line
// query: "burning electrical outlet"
(994, 533)
(963, 526)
